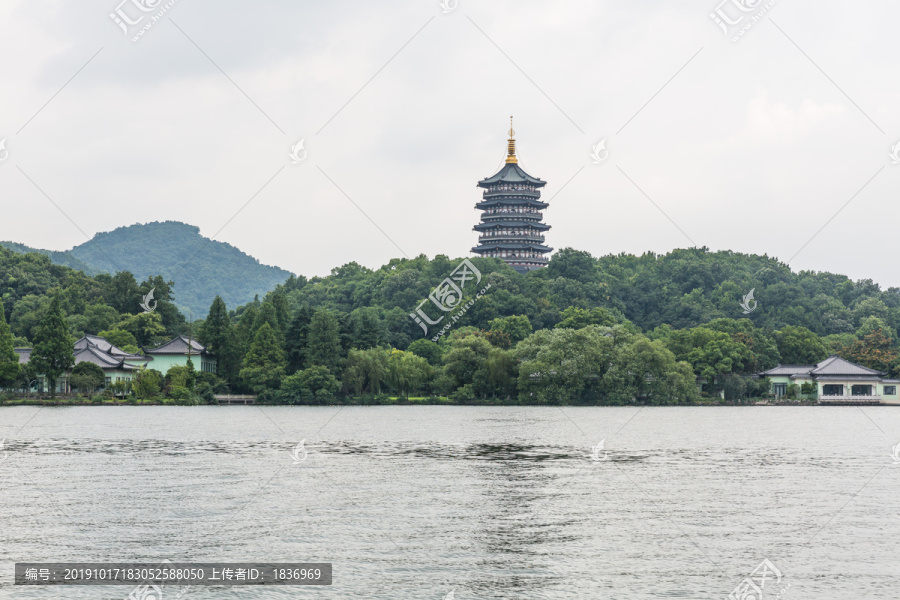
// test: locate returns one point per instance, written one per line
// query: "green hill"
(57, 258)
(199, 266)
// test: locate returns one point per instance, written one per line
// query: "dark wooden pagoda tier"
(512, 226)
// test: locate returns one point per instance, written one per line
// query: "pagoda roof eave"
(511, 173)
(511, 201)
(512, 246)
(502, 223)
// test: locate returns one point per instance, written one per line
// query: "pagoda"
(511, 227)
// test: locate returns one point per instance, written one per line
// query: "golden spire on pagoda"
(511, 155)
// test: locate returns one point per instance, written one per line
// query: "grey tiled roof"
(789, 370)
(179, 345)
(101, 344)
(834, 365)
(95, 350)
(512, 173)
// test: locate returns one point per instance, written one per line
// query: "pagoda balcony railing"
(529, 259)
(514, 215)
(511, 236)
(528, 193)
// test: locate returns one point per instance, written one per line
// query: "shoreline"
(411, 402)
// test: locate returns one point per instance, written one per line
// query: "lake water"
(505, 502)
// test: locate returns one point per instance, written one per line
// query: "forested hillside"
(614, 329)
(107, 305)
(199, 267)
(591, 329)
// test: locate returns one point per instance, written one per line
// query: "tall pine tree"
(323, 346)
(9, 360)
(218, 337)
(296, 338)
(264, 362)
(53, 352)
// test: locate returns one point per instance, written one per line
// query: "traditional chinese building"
(836, 381)
(511, 226)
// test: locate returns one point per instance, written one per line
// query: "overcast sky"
(752, 145)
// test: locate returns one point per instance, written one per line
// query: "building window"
(861, 390)
(779, 389)
(890, 390)
(832, 390)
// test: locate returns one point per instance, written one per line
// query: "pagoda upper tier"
(511, 226)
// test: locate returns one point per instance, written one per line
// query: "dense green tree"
(560, 365)
(123, 293)
(576, 318)
(279, 302)
(53, 352)
(465, 356)
(366, 328)
(99, 317)
(267, 314)
(314, 385)
(366, 370)
(430, 351)
(9, 360)
(517, 327)
(122, 339)
(296, 339)
(217, 335)
(799, 346)
(87, 377)
(875, 350)
(147, 383)
(147, 328)
(407, 371)
(264, 364)
(323, 346)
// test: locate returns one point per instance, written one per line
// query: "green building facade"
(836, 381)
